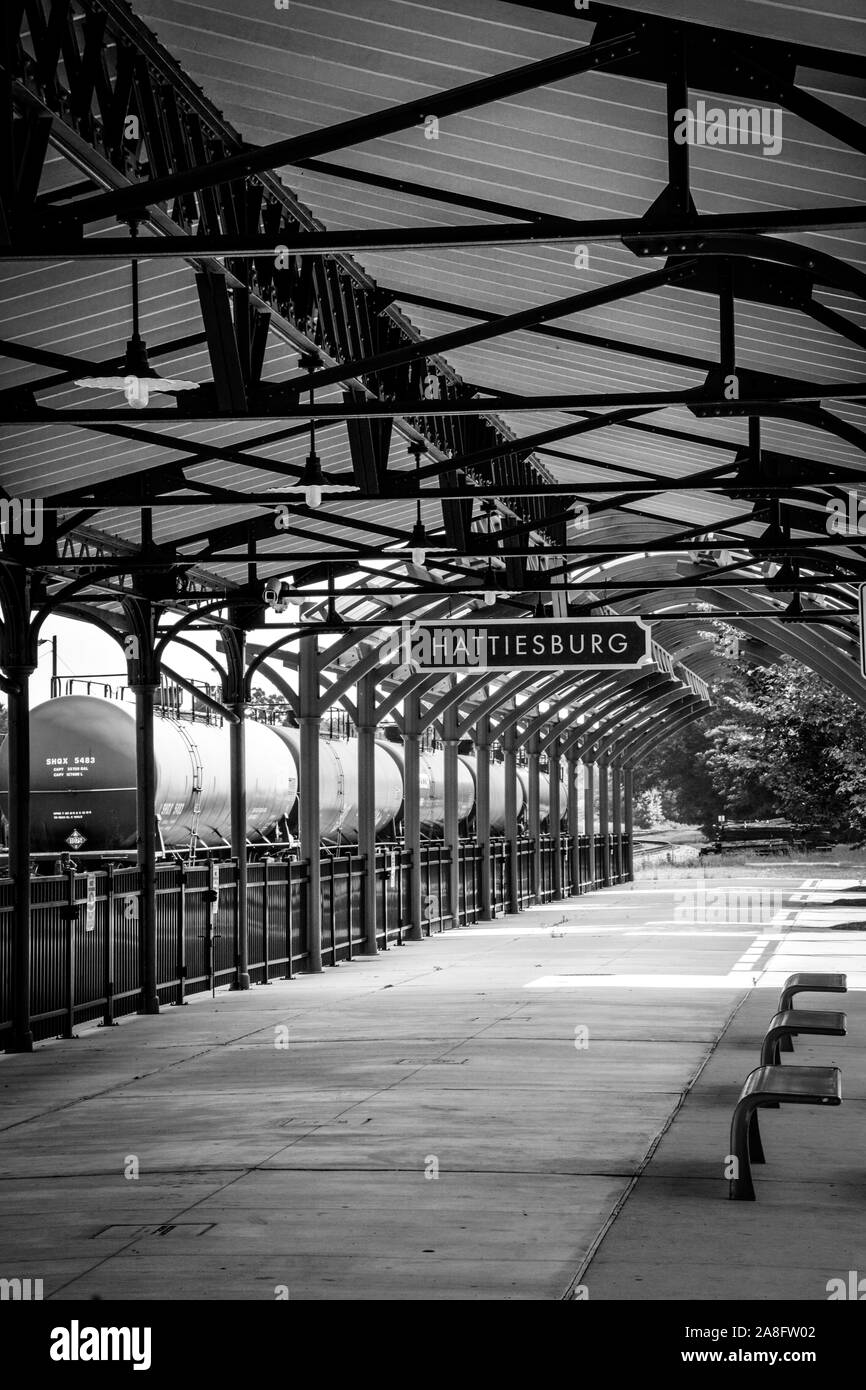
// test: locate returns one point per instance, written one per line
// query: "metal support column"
(367, 803)
(533, 777)
(451, 816)
(18, 744)
(589, 816)
(238, 784)
(509, 748)
(573, 823)
(412, 809)
(308, 791)
(555, 823)
(145, 841)
(604, 819)
(234, 696)
(482, 814)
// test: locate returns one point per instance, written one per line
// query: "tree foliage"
(780, 742)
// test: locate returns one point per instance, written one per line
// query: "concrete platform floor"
(503, 1112)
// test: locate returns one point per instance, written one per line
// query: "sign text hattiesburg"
(509, 644)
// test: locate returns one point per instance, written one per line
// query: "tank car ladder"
(197, 786)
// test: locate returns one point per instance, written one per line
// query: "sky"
(83, 651)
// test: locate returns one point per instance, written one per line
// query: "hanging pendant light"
(138, 381)
(313, 482)
(490, 593)
(418, 541)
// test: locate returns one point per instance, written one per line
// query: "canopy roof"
(472, 229)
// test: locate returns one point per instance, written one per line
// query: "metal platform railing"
(85, 942)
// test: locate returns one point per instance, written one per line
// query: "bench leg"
(741, 1188)
(756, 1148)
(770, 1048)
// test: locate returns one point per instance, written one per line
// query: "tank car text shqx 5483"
(83, 783)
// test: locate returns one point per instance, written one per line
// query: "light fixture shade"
(418, 544)
(138, 381)
(314, 483)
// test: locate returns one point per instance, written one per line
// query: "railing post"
(181, 934)
(616, 790)
(589, 819)
(290, 915)
(451, 821)
(509, 748)
(308, 791)
(628, 799)
(71, 916)
(266, 921)
(367, 805)
(108, 957)
(555, 825)
(604, 820)
(482, 814)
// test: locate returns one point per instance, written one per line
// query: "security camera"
(277, 596)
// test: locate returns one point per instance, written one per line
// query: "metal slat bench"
(770, 1086)
(811, 983)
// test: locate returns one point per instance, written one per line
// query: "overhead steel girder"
(666, 700)
(625, 687)
(600, 693)
(587, 684)
(359, 130)
(637, 743)
(701, 235)
(494, 701)
(716, 60)
(512, 719)
(459, 693)
(654, 686)
(330, 694)
(505, 693)
(339, 289)
(511, 323)
(274, 407)
(634, 750)
(815, 651)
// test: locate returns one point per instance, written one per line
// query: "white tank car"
(338, 784)
(431, 769)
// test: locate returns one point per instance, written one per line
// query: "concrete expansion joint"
(578, 1281)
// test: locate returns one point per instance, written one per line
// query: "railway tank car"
(83, 778)
(338, 784)
(83, 782)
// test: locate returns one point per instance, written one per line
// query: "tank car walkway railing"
(85, 961)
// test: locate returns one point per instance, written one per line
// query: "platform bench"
(773, 1086)
(819, 1022)
(812, 983)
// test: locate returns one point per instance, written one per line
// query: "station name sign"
(526, 644)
